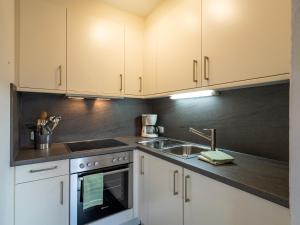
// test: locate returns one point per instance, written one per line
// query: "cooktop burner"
(97, 144)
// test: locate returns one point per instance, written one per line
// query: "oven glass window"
(115, 195)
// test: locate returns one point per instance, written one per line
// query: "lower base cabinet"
(165, 193)
(209, 202)
(171, 195)
(43, 202)
(42, 193)
(160, 194)
(140, 184)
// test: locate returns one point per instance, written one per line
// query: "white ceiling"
(138, 7)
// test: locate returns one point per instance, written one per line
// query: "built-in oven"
(117, 171)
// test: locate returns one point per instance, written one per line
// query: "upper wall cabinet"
(134, 36)
(149, 60)
(89, 47)
(95, 50)
(178, 58)
(42, 45)
(245, 40)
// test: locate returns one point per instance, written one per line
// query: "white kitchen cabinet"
(178, 58)
(165, 193)
(91, 48)
(200, 199)
(160, 191)
(42, 45)
(244, 40)
(149, 60)
(142, 181)
(42, 202)
(134, 37)
(95, 51)
(42, 193)
(209, 202)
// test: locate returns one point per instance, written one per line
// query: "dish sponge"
(216, 157)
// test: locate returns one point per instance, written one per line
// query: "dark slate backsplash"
(251, 120)
(82, 119)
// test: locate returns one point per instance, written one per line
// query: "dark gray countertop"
(60, 151)
(268, 179)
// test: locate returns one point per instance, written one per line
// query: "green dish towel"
(92, 190)
(216, 157)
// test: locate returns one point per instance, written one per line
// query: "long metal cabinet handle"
(142, 165)
(61, 192)
(121, 80)
(175, 174)
(195, 66)
(206, 67)
(60, 75)
(140, 90)
(187, 199)
(42, 170)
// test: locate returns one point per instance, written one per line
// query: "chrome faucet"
(211, 137)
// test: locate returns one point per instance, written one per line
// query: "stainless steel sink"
(162, 143)
(186, 151)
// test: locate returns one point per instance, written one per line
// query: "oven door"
(117, 194)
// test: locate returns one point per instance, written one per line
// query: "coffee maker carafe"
(149, 128)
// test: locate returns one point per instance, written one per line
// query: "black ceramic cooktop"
(97, 144)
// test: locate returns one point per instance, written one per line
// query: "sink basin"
(185, 151)
(176, 148)
(161, 143)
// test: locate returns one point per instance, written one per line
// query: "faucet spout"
(211, 137)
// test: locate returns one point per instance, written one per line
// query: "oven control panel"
(100, 161)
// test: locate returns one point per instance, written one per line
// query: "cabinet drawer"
(41, 171)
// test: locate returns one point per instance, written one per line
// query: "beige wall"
(295, 118)
(6, 76)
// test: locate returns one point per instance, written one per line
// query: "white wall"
(295, 119)
(6, 77)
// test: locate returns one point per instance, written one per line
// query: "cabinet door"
(149, 60)
(142, 175)
(165, 193)
(245, 40)
(179, 45)
(42, 202)
(208, 202)
(42, 51)
(95, 50)
(134, 36)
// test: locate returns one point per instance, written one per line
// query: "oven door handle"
(104, 174)
(111, 172)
